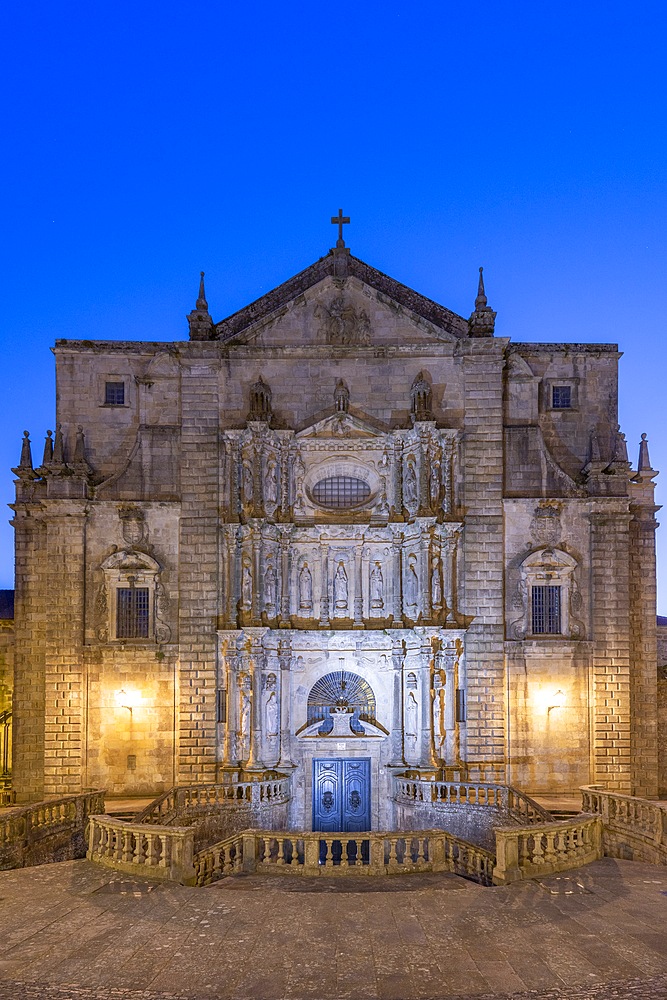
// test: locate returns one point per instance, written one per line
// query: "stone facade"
(344, 524)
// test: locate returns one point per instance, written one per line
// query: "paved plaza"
(79, 931)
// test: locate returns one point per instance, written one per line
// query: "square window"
(114, 393)
(546, 610)
(132, 613)
(561, 397)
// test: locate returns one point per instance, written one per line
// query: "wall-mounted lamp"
(557, 700)
(127, 699)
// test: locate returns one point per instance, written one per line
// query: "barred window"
(132, 613)
(114, 393)
(341, 491)
(561, 397)
(546, 610)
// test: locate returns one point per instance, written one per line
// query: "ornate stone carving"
(545, 526)
(162, 629)
(102, 614)
(340, 588)
(133, 523)
(343, 324)
(377, 588)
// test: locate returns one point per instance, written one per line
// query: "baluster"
(422, 855)
(280, 860)
(538, 854)
(393, 852)
(163, 842)
(128, 852)
(238, 857)
(328, 857)
(345, 845)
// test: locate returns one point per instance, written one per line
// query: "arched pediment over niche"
(549, 561)
(130, 561)
(341, 689)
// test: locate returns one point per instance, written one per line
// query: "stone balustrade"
(339, 854)
(162, 852)
(423, 788)
(46, 831)
(189, 801)
(632, 828)
(538, 850)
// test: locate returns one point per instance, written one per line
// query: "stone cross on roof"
(340, 220)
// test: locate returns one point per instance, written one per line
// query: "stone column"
(284, 655)
(609, 560)
(358, 587)
(256, 655)
(643, 649)
(324, 588)
(397, 731)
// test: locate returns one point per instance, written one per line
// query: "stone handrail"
(24, 828)
(632, 827)
(26, 822)
(337, 854)
(538, 850)
(163, 852)
(504, 797)
(185, 801)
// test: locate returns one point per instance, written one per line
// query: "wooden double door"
(342, 795)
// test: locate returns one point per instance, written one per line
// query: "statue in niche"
(246, 585)
(438, 716)
(271, 483)
(377, 587)
(411, 586)
(305, 589)
(271, 714)
(436, 585)
(244, 720)
(411, 709)
(435, 482)
(248, 481)
(340, 588)
(270, 586)
(410, 485)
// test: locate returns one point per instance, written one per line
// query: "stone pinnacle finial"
(58, 448)
(483, 319)
(201, 301)
(480, 301)
(199, 320)
(644, 464)
(48, 449)
(26, 454)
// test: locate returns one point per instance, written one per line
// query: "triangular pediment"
(340, 425)
(340, 301)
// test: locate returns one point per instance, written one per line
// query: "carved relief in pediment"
(343, 324)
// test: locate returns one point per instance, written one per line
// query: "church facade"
(342, 534)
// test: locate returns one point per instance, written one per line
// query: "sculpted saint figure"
(271, 713)
(305, 588)
(410, 485)
(245, 716)
(270, 585)
(340, 587)
(248, 482)
(411, 715)
(436, 585)
(377, 587)
(438, 719)
(271, 483)
(411, 586)
(246, 586)
(435, 482)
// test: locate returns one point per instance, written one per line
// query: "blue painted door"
(342, 795)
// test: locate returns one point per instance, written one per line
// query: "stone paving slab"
(81, 931)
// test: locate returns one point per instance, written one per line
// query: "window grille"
(561, 397)
(114, 393)
(546, 610)
(132, 613)
(341, 491)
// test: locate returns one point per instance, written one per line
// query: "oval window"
(341, 491)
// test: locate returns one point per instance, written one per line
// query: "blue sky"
(145, 142)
